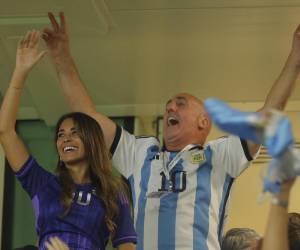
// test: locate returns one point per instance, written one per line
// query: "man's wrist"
(63, 56)
(282, 198)
(294, 59)
(279, 202)
(65, 65)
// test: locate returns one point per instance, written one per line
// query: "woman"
(83, 204)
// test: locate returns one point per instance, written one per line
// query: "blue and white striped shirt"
(179, 200)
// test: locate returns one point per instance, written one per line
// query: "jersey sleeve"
(123, 152)
(32, 176)
(125, 232)
(127, 150)
(232, 154)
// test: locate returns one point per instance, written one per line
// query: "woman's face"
(69, 144)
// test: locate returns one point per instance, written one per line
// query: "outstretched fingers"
(53, 21)
(27, 39)
(21, 43)
(34, 39)
(30, 40)
(297, 31)
(62, 21)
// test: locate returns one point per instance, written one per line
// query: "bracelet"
(15, 88)
(278, 202)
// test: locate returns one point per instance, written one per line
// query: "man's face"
(181, 120)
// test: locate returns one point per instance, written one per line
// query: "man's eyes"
(181, 103)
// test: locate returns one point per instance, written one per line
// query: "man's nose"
(171, 107)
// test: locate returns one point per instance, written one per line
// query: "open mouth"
(172, 121)
(69, 149)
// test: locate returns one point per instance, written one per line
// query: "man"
(179, 192)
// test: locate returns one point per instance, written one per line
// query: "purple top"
(83, 227)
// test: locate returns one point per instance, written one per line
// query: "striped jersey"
(179, 198)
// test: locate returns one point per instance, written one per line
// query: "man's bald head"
(185, 122)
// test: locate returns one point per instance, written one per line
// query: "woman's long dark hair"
(108, 187)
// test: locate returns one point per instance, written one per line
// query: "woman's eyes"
(59, 135)
(72, 133)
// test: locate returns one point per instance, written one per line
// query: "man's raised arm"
(57, 41)
(284, 85)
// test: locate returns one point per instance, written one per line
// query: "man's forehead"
(187, 97)
(177, 97)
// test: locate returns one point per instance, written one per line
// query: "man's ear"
(203, 122)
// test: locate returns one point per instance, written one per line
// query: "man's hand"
(242, 124)
(27, 53)
(57, 38)
(295, 52)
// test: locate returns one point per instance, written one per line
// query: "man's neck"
(178, 147)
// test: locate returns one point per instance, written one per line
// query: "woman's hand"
(55, 243)
(27, 53)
